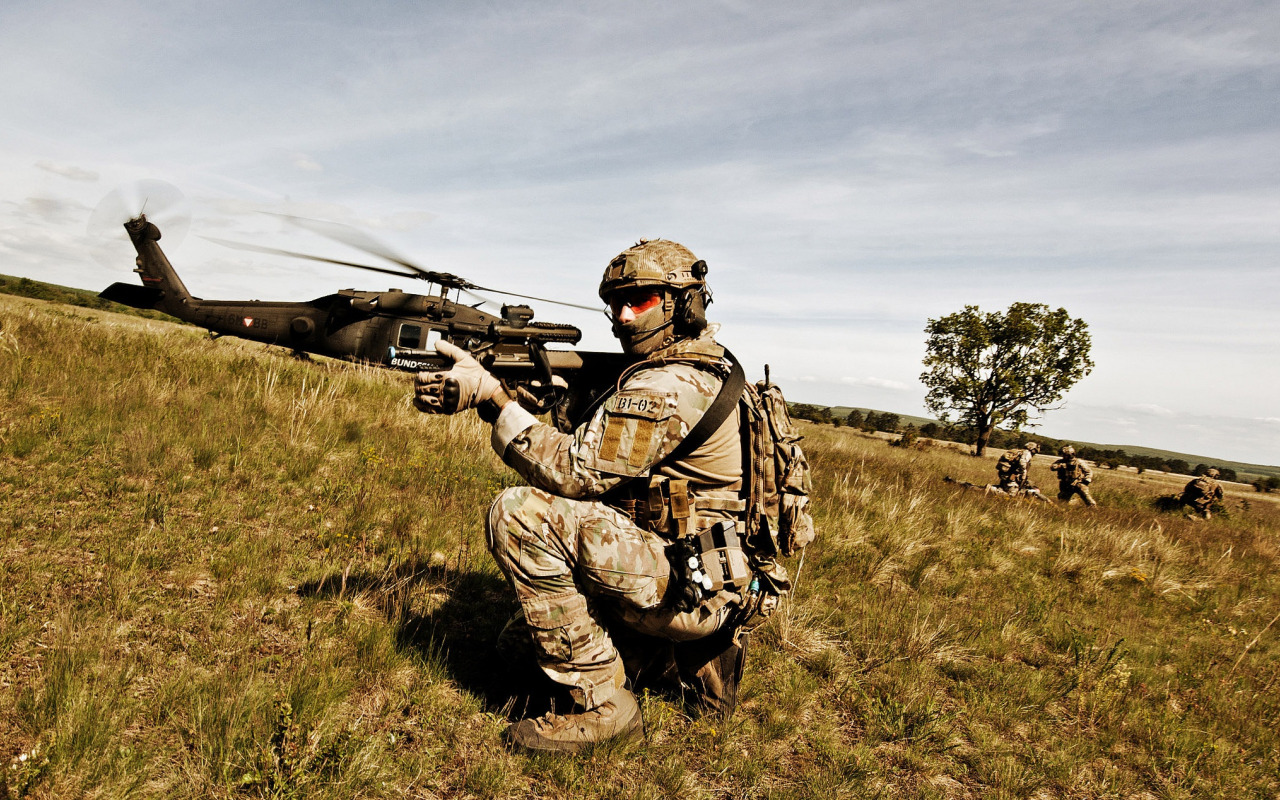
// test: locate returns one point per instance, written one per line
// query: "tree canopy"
(1000, 368)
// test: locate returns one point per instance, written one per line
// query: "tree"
(1000, 368)
(805, 411)
(910, 436)
(855, 419)
(889, 422)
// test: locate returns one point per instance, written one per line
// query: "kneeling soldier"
(591, 544)
(1011, 469)
(1201, 493)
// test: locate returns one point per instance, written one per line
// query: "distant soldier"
(1024, 491)
(1202, 492)
(1074, 477)
(1011, 469)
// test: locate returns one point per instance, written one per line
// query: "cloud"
(68, 171)
(1247, 439)
(306, 163)
(1151, 409)
(400, 220)
(50, 210)
(876, 383)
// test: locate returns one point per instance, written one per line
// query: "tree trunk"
(984, 436)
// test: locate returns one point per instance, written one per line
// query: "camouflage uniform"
(1011, 469)
(1074, 477)
(567, 542)
(1201, 494)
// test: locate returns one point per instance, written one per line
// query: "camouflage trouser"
(574, 562)
(1066, 491)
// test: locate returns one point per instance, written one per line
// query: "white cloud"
(51, 210)
(68, 171)
(306, 163)
(877, 383)
(1151, 409)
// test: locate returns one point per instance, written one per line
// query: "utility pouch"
(710, 563)
(724, 562)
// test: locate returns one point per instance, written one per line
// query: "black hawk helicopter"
(393, 329)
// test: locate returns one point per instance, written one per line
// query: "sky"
(848, 170)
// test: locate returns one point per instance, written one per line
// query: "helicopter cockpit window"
(410, 336)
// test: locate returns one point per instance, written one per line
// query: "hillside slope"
(1245, 468)
(227, 573)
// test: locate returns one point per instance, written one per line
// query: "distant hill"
(1245, 470)
(84, 298)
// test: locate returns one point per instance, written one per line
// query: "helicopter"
(392, 329)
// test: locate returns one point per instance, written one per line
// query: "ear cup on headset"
(690, 311)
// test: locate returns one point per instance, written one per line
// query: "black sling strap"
(728, 397)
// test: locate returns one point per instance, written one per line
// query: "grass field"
(227, 573)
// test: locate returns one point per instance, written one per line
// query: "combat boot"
(571, 733)
(711, 669)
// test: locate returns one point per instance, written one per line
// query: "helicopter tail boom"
(158, 275)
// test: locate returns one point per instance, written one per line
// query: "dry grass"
(227, 573)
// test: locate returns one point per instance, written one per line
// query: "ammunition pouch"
(674, 509)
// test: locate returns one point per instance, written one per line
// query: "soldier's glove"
(464, 385)
(540, 396)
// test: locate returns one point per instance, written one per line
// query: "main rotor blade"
(360, 240)
(278, 252)
(539, 299)
(353, 237)
(484, 301)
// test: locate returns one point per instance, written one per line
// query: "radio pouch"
(709, 563)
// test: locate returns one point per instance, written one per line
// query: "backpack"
(777, 476)
(1007, 467)
(778, 496)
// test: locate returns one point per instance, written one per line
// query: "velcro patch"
(634, 424)
(643, 404)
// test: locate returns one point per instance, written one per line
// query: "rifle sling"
(728, 397)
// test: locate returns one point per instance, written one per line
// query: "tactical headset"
(690, 312)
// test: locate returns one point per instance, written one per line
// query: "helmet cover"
(653, 262)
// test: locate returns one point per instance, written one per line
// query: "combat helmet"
(674, 271)
(654, 262)
(1066, 451)
(1032, 446)
(1212, 472)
